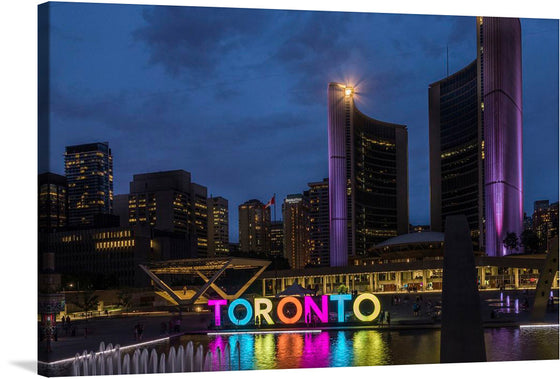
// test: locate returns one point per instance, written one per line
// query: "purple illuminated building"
(500, 56)
(368, 178)
(476, 139)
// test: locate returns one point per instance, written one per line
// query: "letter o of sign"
(376, 307)
(231, 313)
(280, 310)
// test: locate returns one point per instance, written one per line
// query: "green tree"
(511, 241)
(125, 300)
(87, 302)
(530, 241)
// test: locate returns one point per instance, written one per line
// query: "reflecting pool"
(372, 347)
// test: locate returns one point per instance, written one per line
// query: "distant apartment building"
(218, 227)
(89, 177)
(318, 196)
(254, 227)
(418, 228)
(545, 222)
(295, 214)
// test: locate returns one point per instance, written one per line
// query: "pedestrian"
(388, 317)
(381, 318)
(136, 331)
(140, 331)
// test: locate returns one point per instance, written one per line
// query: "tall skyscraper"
(368, 178)
(295, 214)
(170, 202)
(277, 238)
(52, 202)
(89, 176)
(319, 222)
(254, 227)
(476, 139)
(218, 227)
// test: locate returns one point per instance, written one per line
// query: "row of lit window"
(114, 244)
(107, 235)
(71, 238)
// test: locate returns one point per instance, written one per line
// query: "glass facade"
(89, 174)
(459, 148)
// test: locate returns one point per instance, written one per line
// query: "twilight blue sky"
(238, 97)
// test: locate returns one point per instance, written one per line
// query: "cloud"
(196, 40)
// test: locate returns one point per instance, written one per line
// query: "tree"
(125, 300)
(87, 302)
(530, 241)
(511, 241)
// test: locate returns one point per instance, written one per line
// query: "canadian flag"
(270, 202)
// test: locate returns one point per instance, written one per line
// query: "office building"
(52, 203)
(200, 195)
(476, 139)
(218, 227)
(277, 238)
(368, 178)
(89, 176)
(318, 195)
(169, 201)
(120, 208)
(295, 214)
(254, 227)
(109, 257)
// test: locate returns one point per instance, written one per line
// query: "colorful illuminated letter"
(376, 307)
(340, 309)
(280, 310)
(217, 314)
(323, 313)
(264, 312)
(243, 303)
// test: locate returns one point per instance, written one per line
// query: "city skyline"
(253, 151)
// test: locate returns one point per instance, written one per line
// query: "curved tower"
(476, 139)
(368, 178)
(500, 59)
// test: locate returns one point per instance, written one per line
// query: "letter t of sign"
(340, 309)
(217, 314)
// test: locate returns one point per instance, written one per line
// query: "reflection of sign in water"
(290, 309)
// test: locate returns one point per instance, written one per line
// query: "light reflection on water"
(372, 347)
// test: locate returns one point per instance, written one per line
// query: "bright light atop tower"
(348, 91)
